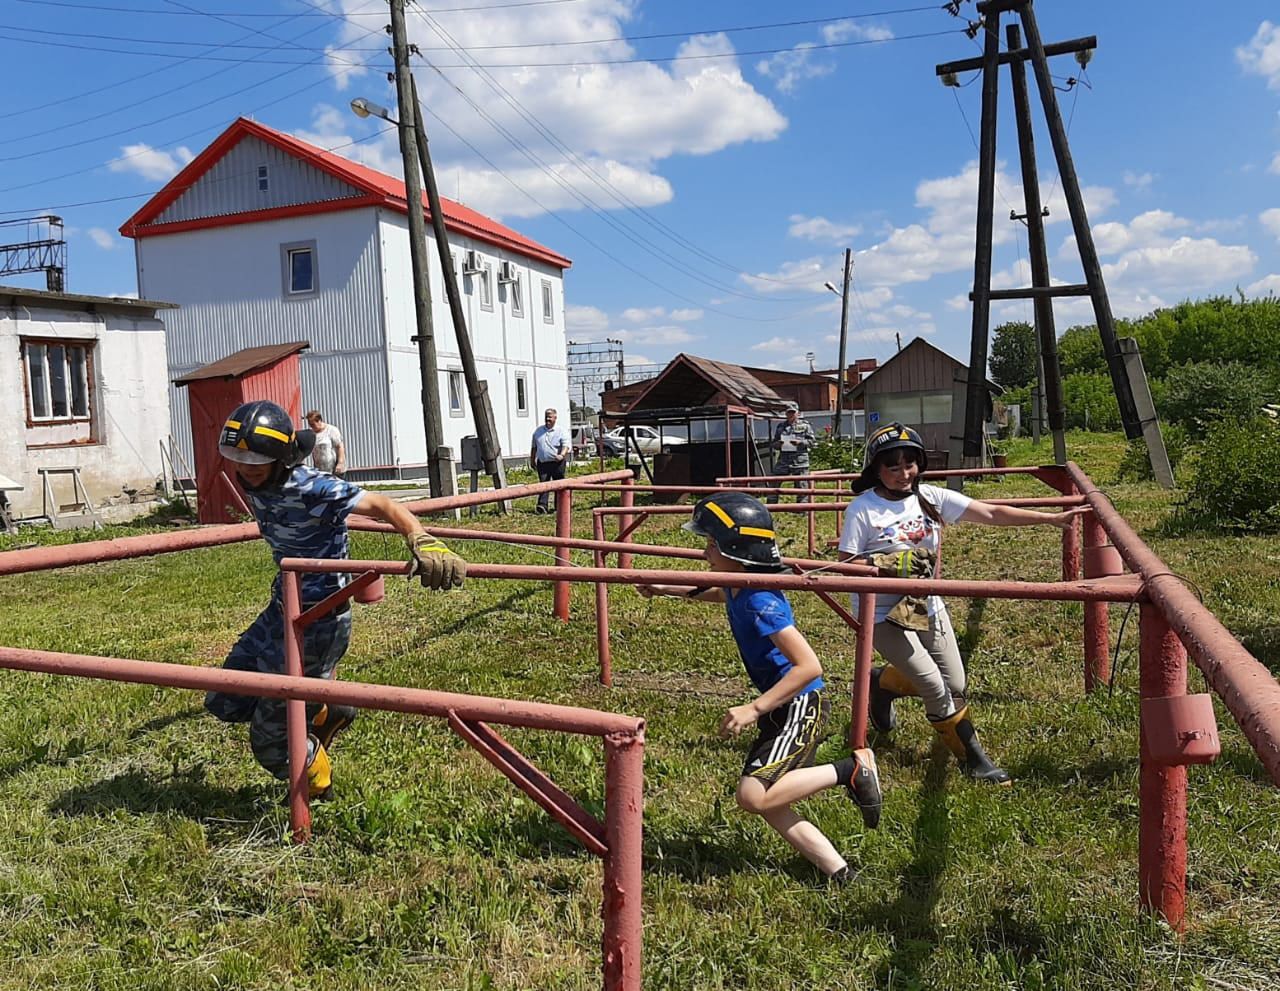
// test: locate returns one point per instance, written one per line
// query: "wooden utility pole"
(425, 337)
(477, 388)
(844, 336)
(1050, 373)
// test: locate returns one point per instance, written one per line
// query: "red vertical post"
(728, 446)
(862, 670)
(1162, 790)
(623, 874)
(295, 711)
(1097, 631)
(1071, 543)
(809, 518)
(626, 501)
(564, 528)
(603, 651)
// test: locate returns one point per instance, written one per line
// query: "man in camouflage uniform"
(792, 439)
(302, 512)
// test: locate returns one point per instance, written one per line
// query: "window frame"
(515, 291)
(548, 302)
(264, 178)
(522, 378)
(456, 384)
(86, 379)
(485, 275)
(287, 251)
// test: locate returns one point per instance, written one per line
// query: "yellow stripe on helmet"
(724, 517)
(283, 438)
(755, 531)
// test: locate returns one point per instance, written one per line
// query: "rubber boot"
(319, 771)
(962, 740)
(887, 685)
(329, 721)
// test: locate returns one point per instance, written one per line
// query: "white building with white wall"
(83, 385)
(265, 239)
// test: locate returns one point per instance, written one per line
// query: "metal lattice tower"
(593, 365)
(39, 247)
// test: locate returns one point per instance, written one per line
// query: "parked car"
(583, 437)
(649, 439)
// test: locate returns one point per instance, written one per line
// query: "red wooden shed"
(269, 372)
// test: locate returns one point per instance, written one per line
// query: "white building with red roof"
(266, 239)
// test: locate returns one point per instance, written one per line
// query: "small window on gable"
(485, 276)
(457, 390)
(522, 393)
(299, 274)
(516, 288)
(548, 303)
(264, 181)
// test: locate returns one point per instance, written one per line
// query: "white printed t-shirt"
(875, 525)
(325, 454)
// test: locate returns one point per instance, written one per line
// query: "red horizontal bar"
(811, 507)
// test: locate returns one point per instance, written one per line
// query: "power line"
(318, 13)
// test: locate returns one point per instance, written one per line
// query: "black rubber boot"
(888, 684)
(961, 738)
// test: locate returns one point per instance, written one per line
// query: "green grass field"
(142, 848)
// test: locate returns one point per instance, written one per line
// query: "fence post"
(295, 711)
(1071, 542)
(564, 528)
(603, 651)
(626, 500)
(1097, 629)
(623, 873)
(862, 670)
(1162, 790)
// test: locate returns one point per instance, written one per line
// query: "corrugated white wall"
(130, 404)
(229, 282)
(504, 344)
(231, 185)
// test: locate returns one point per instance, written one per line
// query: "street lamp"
(828, 285)
(363, 108)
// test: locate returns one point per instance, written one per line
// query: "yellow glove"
(905, 564)
(434, 564)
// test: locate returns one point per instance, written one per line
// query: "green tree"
(1013, 355)
(1199, 395)
(1080, 351)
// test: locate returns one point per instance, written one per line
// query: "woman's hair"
(871, 479)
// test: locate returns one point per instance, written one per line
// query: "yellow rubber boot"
(887, 685)
(962, 740)
(319, 773)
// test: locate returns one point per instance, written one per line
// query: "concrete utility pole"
(425, 337)
(844, 335)
(477, 388)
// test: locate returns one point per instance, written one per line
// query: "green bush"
(1198, 395)
(1135, 466)
(842, 455)
(1236, 481)
(1090, 402)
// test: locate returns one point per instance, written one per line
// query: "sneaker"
(840, 878)
(330, 721)
(864, 788)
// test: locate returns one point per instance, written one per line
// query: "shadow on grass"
(909, 917)
(972, 636)
(1049, 769)
(145, 793)
(463, 622)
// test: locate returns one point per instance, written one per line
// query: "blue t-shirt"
(754, 615)
(307, 517)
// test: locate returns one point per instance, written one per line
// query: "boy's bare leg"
(803, 836)
(794, 786)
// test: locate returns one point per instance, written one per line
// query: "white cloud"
(1265, 286)
(1261, 56)
(687, 315)
(1141, 181)
(820, 229)
(1270, 219)
(585, 320)
(636, 314)
(151, 163)
(1186, 264)
(332, 128)
(1274, 167)
(851, 30)
(529, 192)
(790, 68)
(777, 344)
(664, 334)
(804, 275)
(104, 239)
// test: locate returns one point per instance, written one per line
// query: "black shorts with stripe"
(789, 736)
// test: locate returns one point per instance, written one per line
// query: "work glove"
(905, 564)
(434, 564)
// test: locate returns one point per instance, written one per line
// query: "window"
(915, 409)
(58, 374)
(548, 305)
(522, 393)
(486, 286)
(516, 288)
(936, 407)
(457, 392)
(263, 181)
(298, 270)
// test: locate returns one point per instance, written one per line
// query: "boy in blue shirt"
(302, 512)
(792, 708)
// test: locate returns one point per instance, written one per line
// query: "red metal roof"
(375, 189)
(245, 360)
(689, 380)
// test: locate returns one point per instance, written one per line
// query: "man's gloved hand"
(905, 564)
(434, 564)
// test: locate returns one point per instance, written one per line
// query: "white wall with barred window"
(112, 430)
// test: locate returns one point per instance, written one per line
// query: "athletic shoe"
(864, 787)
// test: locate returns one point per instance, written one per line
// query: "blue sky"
(704, 199)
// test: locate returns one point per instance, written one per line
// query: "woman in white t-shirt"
(896, 523)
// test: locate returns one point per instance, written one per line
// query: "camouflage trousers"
(261, 649)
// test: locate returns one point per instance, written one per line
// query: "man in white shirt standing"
(547, 456)
(330, 453)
